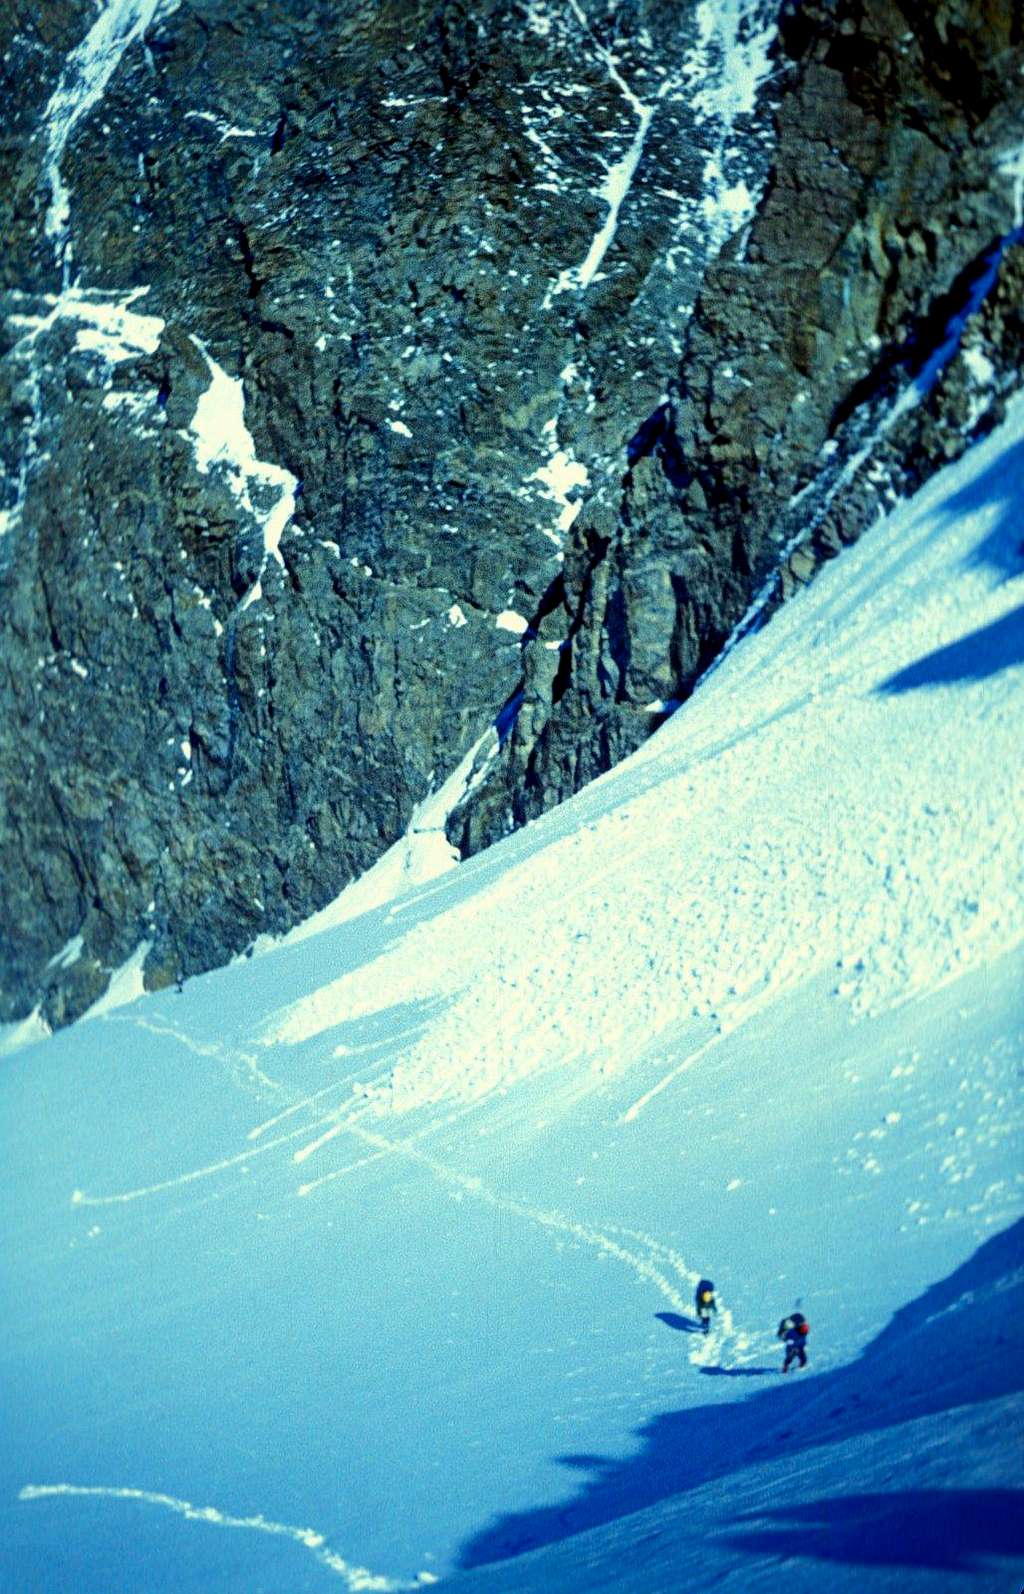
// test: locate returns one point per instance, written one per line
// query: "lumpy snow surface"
(371, 1259)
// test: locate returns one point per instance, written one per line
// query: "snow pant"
(794, 1353)
(705, 1318)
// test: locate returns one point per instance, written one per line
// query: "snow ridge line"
(357, 1577)
(597, 1239)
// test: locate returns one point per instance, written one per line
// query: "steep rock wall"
(376, 372)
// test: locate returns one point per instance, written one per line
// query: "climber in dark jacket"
(706, 1303)
(794, 1330)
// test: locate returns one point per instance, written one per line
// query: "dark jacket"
(705, 1287)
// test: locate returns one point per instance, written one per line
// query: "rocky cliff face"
(376, 375)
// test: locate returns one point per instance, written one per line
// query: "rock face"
(376, 374)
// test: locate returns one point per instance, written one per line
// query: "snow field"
(395, 1228)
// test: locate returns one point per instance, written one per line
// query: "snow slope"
(370, 1260)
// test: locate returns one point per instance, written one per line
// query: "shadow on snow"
(997, 646)
(927, 1360)
(684, 1325)
(982, 653)
(945, 1529)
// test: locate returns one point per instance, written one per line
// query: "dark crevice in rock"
(255, 281)
(657, 436)
(949, 312)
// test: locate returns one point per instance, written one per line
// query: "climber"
(706, 1303)
(794, 1330)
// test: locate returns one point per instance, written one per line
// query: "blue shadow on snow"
(984, 652)
(925, 1361)
(685, 1325)
(949, 1530)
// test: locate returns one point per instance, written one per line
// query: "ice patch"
(223, 442)
(979, 366)
(561, 476)
(1011, 164)
(109, 328)
(68, 954)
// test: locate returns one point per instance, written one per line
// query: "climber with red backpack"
(794, 1330)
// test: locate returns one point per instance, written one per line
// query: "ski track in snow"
(633, 1112)
(357, 1577)
(643, 1265)
(653, 1263)
(232, 1056)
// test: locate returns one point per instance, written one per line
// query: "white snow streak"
(223, 442)
(1011, 164)
(68, 954)
(638, 1106)
(561, 478)
(107, 329)
(357, 1577)
(618, 178)
(729, 60)
(82, 84)
(126, 984)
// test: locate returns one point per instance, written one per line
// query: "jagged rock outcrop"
(374, 373)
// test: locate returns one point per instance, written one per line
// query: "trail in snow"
(598, 1239)
(809, 842)
(240, 1062)
(357, 1577)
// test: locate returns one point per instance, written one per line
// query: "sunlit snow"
(394, 1230)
